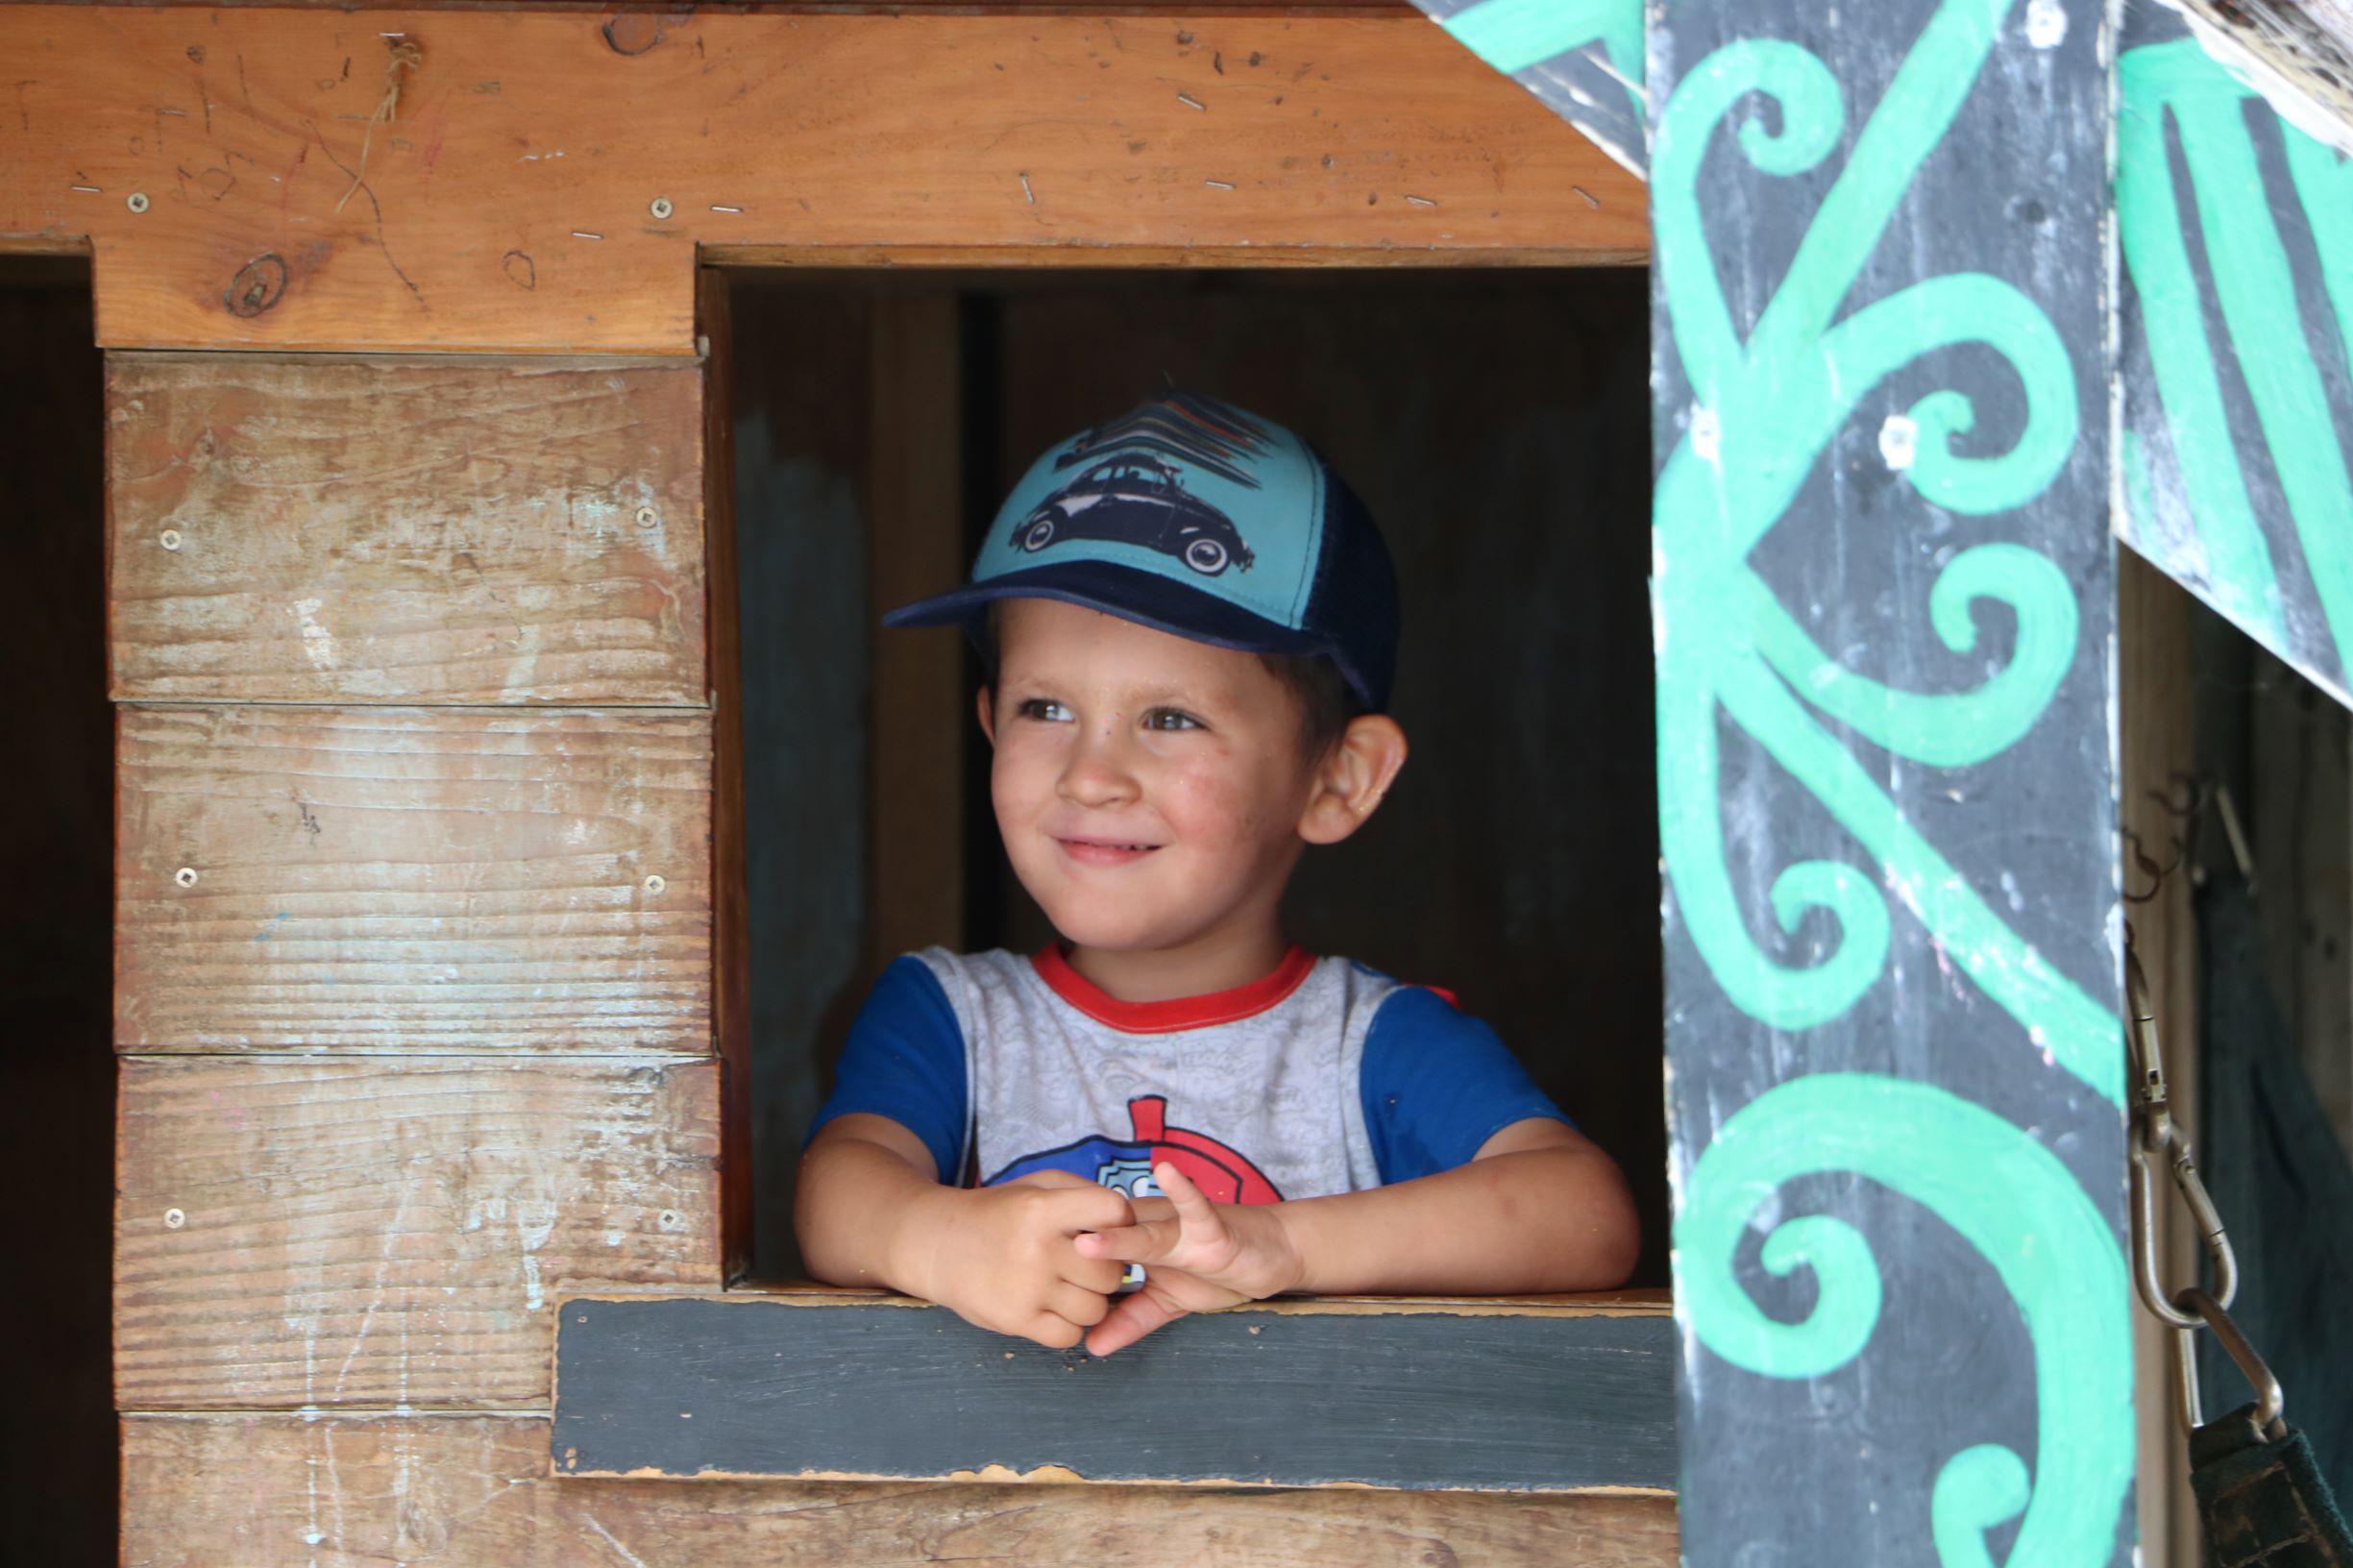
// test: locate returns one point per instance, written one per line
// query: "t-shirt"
(1323, 1077)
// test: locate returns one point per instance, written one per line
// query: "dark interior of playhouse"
(1495, 421)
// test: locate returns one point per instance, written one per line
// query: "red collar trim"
(1176, 1012)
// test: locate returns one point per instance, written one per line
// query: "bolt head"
(137, 201)
(661, 208)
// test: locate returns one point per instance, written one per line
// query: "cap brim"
(1141, 596)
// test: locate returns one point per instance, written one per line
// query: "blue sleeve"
(1437, 1084)
(905, 1061)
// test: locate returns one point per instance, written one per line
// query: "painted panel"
(402, 530)
(1582, 58)
(1460, 1395)
(1883, 598)
(384, 1233)
(343, 1491)
(2238, 244)
(402, 879)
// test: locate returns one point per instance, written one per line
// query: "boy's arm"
(870, 1210)
(1539, 1209)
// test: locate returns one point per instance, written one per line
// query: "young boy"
(1189, 627)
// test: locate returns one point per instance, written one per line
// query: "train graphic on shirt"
(1125, 1164)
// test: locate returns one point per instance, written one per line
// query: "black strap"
(2262, 1500)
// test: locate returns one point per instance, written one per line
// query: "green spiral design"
(2014, 1202)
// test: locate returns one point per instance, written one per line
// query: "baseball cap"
(1191, 517)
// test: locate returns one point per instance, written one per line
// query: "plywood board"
(374, 530)
(545, 182)
(1540, 1399)
(393, 1233)
(441, 1491)
(404, 879)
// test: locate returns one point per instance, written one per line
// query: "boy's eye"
(1044, 709)
(1170, 718)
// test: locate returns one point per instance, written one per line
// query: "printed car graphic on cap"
(1136, 500)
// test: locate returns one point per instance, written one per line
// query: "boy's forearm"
(1537, 1220)
(856, 1207)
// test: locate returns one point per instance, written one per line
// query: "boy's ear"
(987, 714)
(1355, 774)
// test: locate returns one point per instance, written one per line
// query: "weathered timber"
(540, 188)
(441, 1491)
(1540, 1398)
(395, 879)
(1884, 599)
(400, 530)
(393, 1233)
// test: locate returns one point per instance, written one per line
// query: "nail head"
(137, 201)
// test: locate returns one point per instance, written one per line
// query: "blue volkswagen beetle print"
(1138, 501)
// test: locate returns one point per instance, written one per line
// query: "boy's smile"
(1150, 791)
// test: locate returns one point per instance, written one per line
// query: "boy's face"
(1149, 789)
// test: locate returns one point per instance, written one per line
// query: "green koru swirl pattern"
(2014, 1202)
(1765, 410)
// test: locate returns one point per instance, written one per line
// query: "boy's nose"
(1096, 772)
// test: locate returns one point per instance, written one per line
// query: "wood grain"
(440, 1492)
(511, 204)
(397, 530)
(402, 879)
(382, 1233)
(1542, 1400)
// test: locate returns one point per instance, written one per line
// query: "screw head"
(655, 884)
(185, 876)
(137, 201)
(673, 1220)
(661, 208)
(173, 1219)
(648, 517)
(170, 538)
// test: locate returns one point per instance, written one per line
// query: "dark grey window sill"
(1540, 1394)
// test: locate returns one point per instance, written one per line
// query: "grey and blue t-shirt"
(1323, 1077)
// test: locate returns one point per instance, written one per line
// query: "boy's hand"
(1198, 1256)
(1003, 1257)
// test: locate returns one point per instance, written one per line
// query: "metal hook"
(2271, 1398)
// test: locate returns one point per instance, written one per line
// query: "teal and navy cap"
(1191, 517)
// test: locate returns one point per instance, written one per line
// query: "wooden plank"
(2156, 757)
(539, 188)
(1884, 598)
(381, 1233)
(436, 1492)
(400, 530)
(1540, 1399)
(919, 713)
(401, 879)
(731, 923)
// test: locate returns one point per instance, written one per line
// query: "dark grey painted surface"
(1892, 976)
(1424, 1399)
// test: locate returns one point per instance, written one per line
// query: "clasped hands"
(1042, 1257)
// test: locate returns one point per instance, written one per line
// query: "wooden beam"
(1492, 1396)
(393, 1233)
(537, 188)
(380, 529)
(355, 1492)
(412, 879)
(919, 713)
